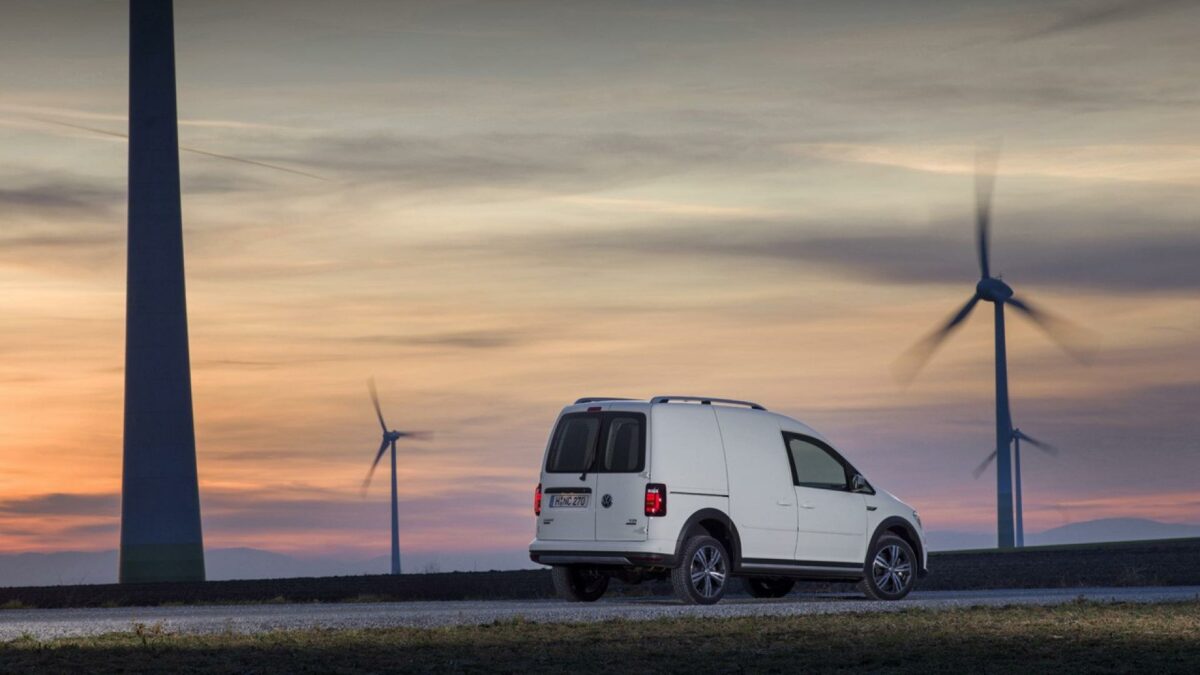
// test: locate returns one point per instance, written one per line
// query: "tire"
(890, 570)
(768, 587)
(703, 572)
(578, 584)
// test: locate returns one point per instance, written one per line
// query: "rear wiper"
(587, 465)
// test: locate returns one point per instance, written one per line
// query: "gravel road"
(52, 623)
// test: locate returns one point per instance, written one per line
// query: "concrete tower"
(160, 498)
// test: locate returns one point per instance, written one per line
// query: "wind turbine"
(1017, 437)
(992, 289)
(389, 439)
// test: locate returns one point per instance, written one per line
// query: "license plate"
(568, 501)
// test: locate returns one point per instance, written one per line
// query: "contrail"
(206, 153)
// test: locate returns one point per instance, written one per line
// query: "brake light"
(656, 499)
(537, 500)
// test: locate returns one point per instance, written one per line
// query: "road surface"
(52, 623)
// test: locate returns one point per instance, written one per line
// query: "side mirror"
(860, 484)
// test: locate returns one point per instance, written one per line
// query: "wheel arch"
(716, 524)
(903, 529)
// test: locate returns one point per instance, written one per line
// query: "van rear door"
(621, 477)
(568, 488)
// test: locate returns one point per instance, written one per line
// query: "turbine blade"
(1044, 447)
(375, 400)
(911, 362)
(983, 465)
(985, 181)
(418, 435)
(1074, 340)
(367, 482)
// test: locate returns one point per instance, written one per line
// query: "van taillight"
(537, 500)
(656, 499)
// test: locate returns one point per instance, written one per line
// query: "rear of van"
(592, 501)
(619, 479)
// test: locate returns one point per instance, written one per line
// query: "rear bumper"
(618, 558)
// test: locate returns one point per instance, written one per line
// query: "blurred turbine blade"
(418, 435)
(1044, 447)
(983, 465)
(367, 482)
(985, 180)
(1074, 340)
(911, 362)
(375, 400)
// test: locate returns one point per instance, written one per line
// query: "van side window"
(815, 465)
(623, 446)
(573, 441)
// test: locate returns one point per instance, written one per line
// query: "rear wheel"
(578, 584)
(769, 587)
(702, 573)
(889, 574)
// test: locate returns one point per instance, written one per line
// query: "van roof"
(786, 422)
(703, 400)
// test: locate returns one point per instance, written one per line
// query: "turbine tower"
(389, 440)
(994, 290)
(1017, 436)
(160, 499)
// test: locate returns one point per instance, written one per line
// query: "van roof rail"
(706, 400)
(598, 399)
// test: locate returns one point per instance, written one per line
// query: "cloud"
(1168, 164)
(1155, 259)
(534, 163)
(456, 340)
(62, 504)
(1108, 14)
(57, 196)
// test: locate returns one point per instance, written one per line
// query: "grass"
(1074, 638)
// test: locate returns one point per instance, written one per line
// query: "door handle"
(807, 506)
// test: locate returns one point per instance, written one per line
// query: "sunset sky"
(514, 204)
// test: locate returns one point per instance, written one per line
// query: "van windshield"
(609, 442)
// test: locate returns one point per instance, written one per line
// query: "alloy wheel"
(892, 570)
(708, 571)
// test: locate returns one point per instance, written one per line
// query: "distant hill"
(1085, 532)
(1113, 529)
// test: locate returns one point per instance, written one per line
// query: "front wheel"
(889, 573)
(578, 584)
(769, 587)
(703, 570)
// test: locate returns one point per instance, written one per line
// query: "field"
(1073, 638)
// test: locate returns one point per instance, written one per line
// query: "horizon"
(501, 210)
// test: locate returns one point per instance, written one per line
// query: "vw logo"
(606, 501)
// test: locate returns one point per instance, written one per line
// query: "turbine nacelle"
(992, 289)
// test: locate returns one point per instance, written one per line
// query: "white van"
(704, 489)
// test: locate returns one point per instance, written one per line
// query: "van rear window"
(609, 442)
(574, 441)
